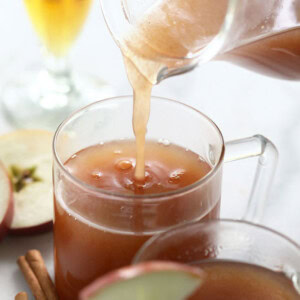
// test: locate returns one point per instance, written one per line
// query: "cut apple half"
(6, 201)
(155, 280)
(27, 157)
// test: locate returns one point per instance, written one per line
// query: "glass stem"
(55, 83)
(56, 66)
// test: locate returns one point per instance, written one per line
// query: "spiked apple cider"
(110, 166)
(103, 213)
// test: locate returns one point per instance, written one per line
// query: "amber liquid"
(57, 22)
(228, 280)
(93, 235)
(277, 55)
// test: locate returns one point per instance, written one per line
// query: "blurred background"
(241, 103)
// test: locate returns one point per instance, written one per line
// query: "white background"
(240, 102)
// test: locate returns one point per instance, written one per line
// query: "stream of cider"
(147, 41)
(173, 29)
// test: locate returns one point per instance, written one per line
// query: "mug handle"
(265, 150)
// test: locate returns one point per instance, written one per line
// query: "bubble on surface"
(164, 142)
(176, 176)
(97, 174)
(118, 152)
(124, 165)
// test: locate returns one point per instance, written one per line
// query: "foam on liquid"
(112, 167)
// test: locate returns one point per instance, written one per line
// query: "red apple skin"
(133, 271)
(37, 229)
(8, 216)
(10, 143)
(4, 226)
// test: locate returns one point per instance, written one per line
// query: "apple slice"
(6, 201)
(155, 280)
(27, 156)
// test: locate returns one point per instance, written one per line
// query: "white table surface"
(240, 102)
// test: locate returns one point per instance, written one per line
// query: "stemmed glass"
(43, 97)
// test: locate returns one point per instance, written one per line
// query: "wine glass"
(43, 97)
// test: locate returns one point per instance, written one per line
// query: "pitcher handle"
(265, 150)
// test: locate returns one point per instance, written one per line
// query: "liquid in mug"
(230, 280)
(84, 250)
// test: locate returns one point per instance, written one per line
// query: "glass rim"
(121, 196)
(192, 225)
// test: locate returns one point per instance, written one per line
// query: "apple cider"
(229, 280)
(93, 236)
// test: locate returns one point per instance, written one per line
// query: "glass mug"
(96, 230)
(240, 249)
(259, 35)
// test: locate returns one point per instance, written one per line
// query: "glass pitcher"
(169, 37)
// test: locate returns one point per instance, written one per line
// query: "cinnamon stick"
(21, 296)
(31, 279)
(36, 262)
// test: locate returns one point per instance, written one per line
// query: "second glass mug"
(96, 231)
(237, 256)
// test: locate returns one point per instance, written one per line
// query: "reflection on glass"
(44, 97)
